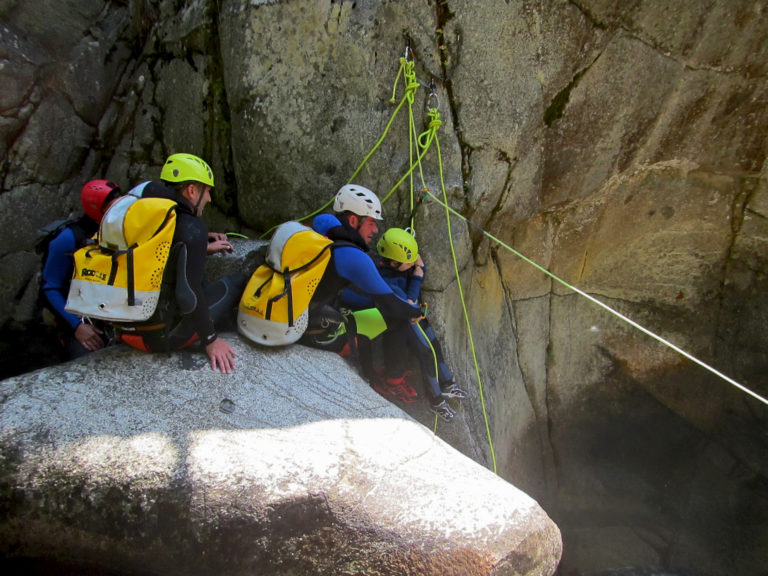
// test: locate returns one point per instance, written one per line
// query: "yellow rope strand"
(434, 355)
(463, 303)
(425, 140)
(412, 84)
(602, 304)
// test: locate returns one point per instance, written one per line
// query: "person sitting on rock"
(403, 269)
(188, 181)
(353, 226)
(78, 336)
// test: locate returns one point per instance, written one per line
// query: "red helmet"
(95, 195)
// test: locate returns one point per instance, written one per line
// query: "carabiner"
(433, 95)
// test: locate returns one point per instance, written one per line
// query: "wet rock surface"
(156, 464)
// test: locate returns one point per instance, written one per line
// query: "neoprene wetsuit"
(350, 265)
(57, 276)
(418, 337)
(168, 328)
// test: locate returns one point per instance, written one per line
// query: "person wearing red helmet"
(77, 335)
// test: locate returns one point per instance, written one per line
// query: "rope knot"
(434, 122)
(409, 79)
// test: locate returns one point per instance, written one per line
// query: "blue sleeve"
(57, 275)
(356, 300)
(355, 266)
(414, 287)
(397, 289)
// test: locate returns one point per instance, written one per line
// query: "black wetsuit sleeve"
(193, 232)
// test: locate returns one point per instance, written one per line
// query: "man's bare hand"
(89, 336)
(222, 356)
(218, 243)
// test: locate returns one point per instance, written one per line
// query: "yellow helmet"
(398, 245)
(183, 167)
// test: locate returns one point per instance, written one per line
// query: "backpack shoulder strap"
(340, 243)
(82, 231)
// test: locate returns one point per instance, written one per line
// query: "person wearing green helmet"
(403, 269)
(188, 180)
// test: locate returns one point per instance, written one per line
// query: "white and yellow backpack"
(274, 309)
(119, 278)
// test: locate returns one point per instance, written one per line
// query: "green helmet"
(398, 245)
(185, 167)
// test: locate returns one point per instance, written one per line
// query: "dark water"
(40, 567)
(26, 350)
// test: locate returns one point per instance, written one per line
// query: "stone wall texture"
(620, 144)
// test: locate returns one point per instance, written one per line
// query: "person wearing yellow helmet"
(188, 180)
(403, 269)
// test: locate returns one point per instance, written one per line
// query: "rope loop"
(426, 137)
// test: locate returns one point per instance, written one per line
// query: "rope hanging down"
(432, 136)
(591, 298)
(422, 143)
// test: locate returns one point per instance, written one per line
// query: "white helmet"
(358, 200)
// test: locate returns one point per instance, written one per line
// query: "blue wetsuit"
(349, 266)
(57, 276)
(418, 337)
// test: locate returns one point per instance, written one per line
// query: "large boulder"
(292, 464)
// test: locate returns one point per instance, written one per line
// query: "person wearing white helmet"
(360, 209)
(352, 227)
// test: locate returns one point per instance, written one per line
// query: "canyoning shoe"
(386, 390)
(452, 390)
(397, 387)
(442, 409)
(405, 392)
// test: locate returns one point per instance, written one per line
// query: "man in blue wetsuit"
(354, 225)
(77, 335)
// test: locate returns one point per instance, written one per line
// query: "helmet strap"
(199, 196)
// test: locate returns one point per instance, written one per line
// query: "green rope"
(463, 303)
(434, 355)
(411, 85)
(602, 304)
(425, 140)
